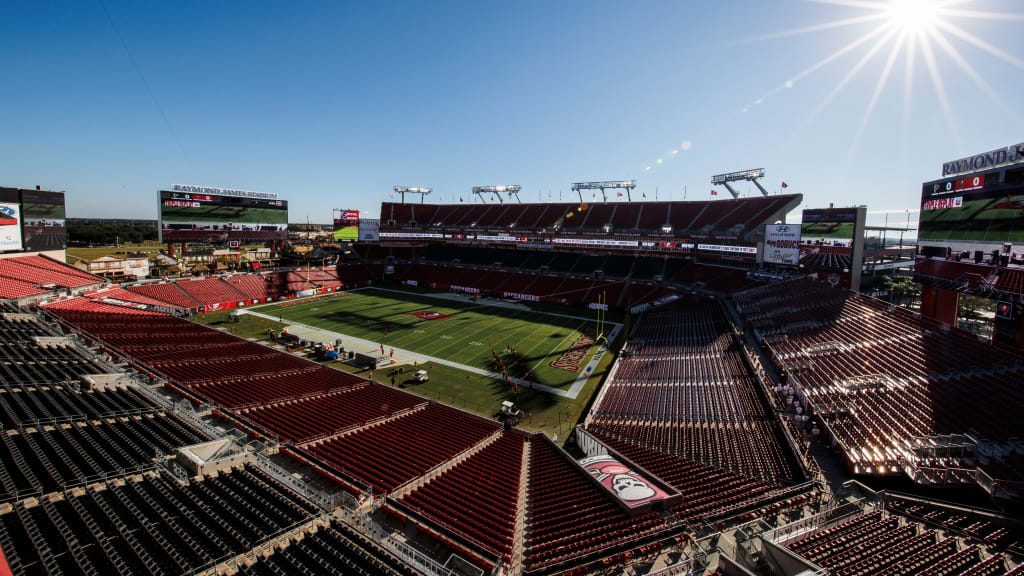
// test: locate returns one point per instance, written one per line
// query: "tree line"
(97, 232)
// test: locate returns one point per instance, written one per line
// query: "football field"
(554, 348)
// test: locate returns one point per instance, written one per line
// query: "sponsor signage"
(10, 226)
(782, 244)
(941, 203)
(992, 159)
(726, 248)
(410, 235)
(594, 242)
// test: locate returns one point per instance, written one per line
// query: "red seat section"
(682, 387)
(167, 292)
(478, 498)
(260, 286)
(10, 288)
(570, 517)
(338, 409)
(41, 271)
(881, 376)
(392, 453)
(708, 492)
(210, 291)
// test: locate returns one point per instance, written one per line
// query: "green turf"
(467, 336)
(244, 327)
(826, 230)
(543, 412)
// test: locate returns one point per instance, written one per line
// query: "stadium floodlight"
(748, 175)
(497, 191)
(412, 190)
(626, 185)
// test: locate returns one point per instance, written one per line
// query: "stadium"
(507, 388)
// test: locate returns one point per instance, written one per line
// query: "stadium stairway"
(522, 507)
(445, 466)
(275, 545)
(352, 430)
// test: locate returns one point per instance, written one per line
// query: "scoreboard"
(346, 225)
(982, 208)
(209, 217)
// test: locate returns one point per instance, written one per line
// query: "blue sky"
(332, 104)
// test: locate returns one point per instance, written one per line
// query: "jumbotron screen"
(976, 208)
(186, 216)
(839, 223)
(43, 215)
(346, 225)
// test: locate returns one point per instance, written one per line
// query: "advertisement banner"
(10, 226)
(782, 244)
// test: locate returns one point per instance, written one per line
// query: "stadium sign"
(223, 192)
(410, 235)
(10, 227)
(594, 242)
(992, 159)
(728, 248)
(782, 244)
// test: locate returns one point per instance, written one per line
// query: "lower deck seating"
(28, 404)
(708, 492)
(570, 518)
(478, 498)
(879, 544)
(389, 454)
(336, 549)
(148, 525)
(335, 410)
(45, 458)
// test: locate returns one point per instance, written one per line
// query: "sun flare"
(913, 16)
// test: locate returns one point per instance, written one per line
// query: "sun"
(913, 16)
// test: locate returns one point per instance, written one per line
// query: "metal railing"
(821, 520)
(325, 500)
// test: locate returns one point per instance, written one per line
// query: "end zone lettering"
(573, 357)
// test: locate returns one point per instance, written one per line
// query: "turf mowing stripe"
(467, 338)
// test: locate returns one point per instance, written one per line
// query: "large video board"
(983, 208)
(43, 215)
(838, 223)
(346, 225)
(203, 217)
